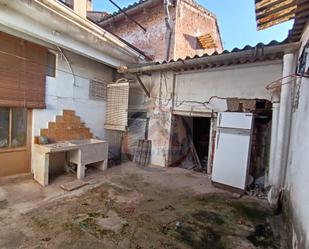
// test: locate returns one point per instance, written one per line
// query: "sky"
(236, 19)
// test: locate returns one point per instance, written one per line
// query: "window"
(51, 65)
(97, 90)
(13, 127)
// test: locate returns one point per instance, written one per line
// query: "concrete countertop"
(65, 145)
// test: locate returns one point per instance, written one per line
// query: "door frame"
(26, 149)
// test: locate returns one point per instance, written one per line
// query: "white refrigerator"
(232, 149)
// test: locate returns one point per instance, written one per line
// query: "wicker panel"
(117, 106)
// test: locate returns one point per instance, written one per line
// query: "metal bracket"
(142, 85)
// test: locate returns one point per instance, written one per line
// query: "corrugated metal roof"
(247, 54)
(301, 19)
(234, 50)
(272, 12)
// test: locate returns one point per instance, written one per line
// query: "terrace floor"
(130, 207)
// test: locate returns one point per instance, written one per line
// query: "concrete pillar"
(283, 131)
(273, 141)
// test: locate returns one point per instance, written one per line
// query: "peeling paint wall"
(245, 82)
(160, 116)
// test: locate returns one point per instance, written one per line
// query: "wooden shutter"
(22, 73)
(117, 106)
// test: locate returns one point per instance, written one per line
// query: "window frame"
(10, 133)
(55, 65)
(93, 95)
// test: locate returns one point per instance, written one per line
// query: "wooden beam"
(273, 11)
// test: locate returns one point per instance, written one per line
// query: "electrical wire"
(206, 104)
(69, 64)
(50, 67)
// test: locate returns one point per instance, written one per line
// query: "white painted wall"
(297, 176)
(246, 81)
(66, 91)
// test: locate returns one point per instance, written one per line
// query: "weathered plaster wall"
(159, 107)
(246, 81)
(67, 91)
(151, 42)
(298, 171)
(193, 21)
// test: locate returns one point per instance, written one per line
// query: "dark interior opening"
(190, 142)
(260, 147)
(201, 133)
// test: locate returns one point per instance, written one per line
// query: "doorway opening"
(190, 139)
(201, 136)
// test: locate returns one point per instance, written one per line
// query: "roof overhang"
(236, 57)
(273, 12)
(301, 20)
(54, 23)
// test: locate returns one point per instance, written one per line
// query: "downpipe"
(168, 35)
(280, 161)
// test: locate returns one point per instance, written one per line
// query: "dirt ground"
(143, 208)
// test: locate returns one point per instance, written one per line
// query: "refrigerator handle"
(218, 138)
(219, 123)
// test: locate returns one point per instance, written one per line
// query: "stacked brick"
(67, 127)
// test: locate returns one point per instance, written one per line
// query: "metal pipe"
(283, 131)
(168, 35)
(208, 59)
(273, 139)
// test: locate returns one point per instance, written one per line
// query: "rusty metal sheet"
(273, 12)
(206, 41)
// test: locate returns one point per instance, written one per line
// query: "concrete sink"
(85, 141)
(90, 151)
(80, 152)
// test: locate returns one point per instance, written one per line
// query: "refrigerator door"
(232, 151)
(236, 120)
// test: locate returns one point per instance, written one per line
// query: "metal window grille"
(97, 90)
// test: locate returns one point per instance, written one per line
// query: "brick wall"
(150, 42)
(66, 127)
(190, 21)
(193, 21)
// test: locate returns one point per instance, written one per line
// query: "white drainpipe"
(273, 139)
(283, 131)
(168, 35)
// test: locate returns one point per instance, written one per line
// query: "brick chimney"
(80, 7)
